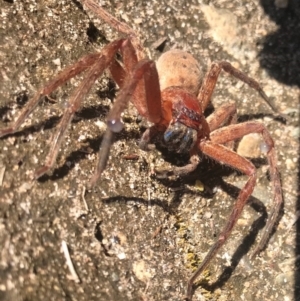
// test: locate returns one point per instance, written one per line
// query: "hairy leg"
(222, 154)
(143, 71)
(211, 78)
(107, 55)
(217, 151)
(83, 64)
(237, 131)
(116, 24)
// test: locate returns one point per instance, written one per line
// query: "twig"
(69, 262)
(83, 199)
(2, 171)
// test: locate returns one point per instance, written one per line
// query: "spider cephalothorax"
(185, 125)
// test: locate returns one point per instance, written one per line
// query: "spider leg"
(116, 24)
(211, 78)
(179, 171)
(146, 96)
(228, 157)
(149, 105)
(71, 71)
(103, 60)
(237, 131)
(144, 71)
(220, 153)
(103, 156)
(226, 114)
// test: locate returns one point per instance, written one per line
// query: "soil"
(135, 236)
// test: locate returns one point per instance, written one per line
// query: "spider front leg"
(218, 152)
(142, 81)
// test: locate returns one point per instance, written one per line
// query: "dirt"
(134, 236)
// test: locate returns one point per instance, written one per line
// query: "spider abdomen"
(177, 68)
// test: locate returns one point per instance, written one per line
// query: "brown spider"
(173, 95)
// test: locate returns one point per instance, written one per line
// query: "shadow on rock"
(280, 54)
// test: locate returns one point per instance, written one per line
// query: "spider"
(173, 95)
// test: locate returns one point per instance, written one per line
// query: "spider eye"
(115, 125)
